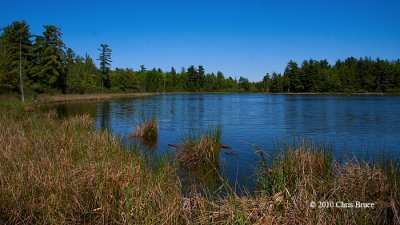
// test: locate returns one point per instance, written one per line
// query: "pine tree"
(220, 80)
(200, 80)
(49, 70)
(105, 64)
(173, 78)
(192, 78)
(292, 73)
(266, 83)
(15, 39)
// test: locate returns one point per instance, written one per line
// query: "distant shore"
(107, 96)
(287, 93)
(88, 97)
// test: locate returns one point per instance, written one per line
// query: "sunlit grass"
(58, 171)
(147, 131)
(306, 172)
(202, 149)
(62, 171)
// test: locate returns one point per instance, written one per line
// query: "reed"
(200, 150)
(147, 131)
(89, 97)
(306, 172)
(61, 171)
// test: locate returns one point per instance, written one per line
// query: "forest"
(48, 66)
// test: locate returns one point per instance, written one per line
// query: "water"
(354, 125)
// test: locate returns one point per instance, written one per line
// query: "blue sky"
(240, 38)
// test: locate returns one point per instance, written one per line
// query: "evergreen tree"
(91, 75)
(384, 75)
(142, 68)
(276, 83)
(174, 78)
(70, 56)
(105, 64)
(154, 80)
(48, 72)
(192, 78)
(200, 81)
(292, 72)
(266, 83)
(15, 40)
(74, 81)
(220, 80)
(244, 83)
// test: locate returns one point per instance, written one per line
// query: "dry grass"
(58, 171)
(62, 171)
(200, 150)
(87, 97)
(308, 173)
(147, 131)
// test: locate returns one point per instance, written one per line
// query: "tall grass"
(58, 171)
(306, 172)
(147, 131)
(62, 171)
(200, 150)
(89, 97)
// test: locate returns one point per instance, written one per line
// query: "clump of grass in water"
(200, 150)
(147, 130)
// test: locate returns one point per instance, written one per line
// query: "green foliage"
(244, 83)
(192, 78)
(15, 39)
(124, 80)
(82, 76)
(105, 64)
(350, 75)
(48, 66)
(292, 72)
(48, 71)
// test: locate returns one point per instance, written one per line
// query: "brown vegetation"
(200, 150)
(57, 171)
(88, 97)
(147, 131)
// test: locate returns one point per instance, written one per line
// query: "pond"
(353, 125)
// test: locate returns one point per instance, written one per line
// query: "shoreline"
(88, 97)
(291, 93)
(59, 98)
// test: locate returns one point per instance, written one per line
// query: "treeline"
(49, 66)
(350, 75)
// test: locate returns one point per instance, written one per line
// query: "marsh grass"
(306, 171)
(89, 97)
(200, 150)
(59, 171)
(147, 131)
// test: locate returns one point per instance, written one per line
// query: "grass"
(58, 171)
(200, 150)
(147, 131)
(61, 171)
(88, 97)
(306, 172)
